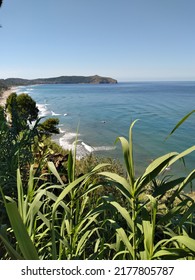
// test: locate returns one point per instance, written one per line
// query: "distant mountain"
(60, 80)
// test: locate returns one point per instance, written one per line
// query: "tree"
(27, 108)
(23, 111)
(2, 117)
(49, 126)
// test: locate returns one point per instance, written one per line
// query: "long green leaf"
(186, 215)
(149, 229)
(11, 251)
(70, 167)
(82, 241)
(185, 182)
(52, 168)
(123, 237)
(158, 164)
(120, 182)
(162, 189)
(99, 166)
(153, 170)
(21, 203)
(67, 189)
(172, 212)
(182, 154)
(26, 246)
(181, 122)
(171, 253)
(30, 190)
(186, 241)
(148, 238)
(131, 160)
(124, 213)
(125, 149)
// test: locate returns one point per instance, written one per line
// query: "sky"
(129, 40)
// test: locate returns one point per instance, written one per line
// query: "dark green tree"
(2, 118)
(22, 110)
(49, 126)
(27, 108)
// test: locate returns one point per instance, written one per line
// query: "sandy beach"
(4, 95)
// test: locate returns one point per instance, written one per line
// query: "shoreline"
(4, 95)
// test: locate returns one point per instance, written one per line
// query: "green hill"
(60, 80)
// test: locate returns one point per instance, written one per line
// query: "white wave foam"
(67, 141)
(55, 114)
(104, 148)
(28, 90)
(87, 147)
(91, 149)
(61, 130)
(43, 111)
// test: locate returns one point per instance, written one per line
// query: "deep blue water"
(104, 112)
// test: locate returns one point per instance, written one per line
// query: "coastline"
(4, 95)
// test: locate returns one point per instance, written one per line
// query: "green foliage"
(19, 141)
(50, 126)
(23, 111)
(181, 122)
(58, 225)
(142, 227)
(62, 220)
(3, 122)
(27, 107)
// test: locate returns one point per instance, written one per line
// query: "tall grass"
(52, 218)
(143, 223)
(64, 221)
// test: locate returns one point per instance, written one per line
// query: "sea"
(96, 115)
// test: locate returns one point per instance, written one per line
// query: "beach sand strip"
(4, 95)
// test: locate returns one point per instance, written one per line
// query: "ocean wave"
(43, 110)
(55, 114)
(104, 148)
(97, 149)
(28, 90)
(87, 147)
(67, 141)
(62, 131)
(22, 89)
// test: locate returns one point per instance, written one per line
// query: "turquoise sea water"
(106, 111)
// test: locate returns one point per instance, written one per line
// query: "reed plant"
(51, 221)
(143, 224)
(63, 220)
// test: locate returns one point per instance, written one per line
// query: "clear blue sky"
(128, 40)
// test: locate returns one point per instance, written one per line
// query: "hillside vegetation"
(60, 80)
